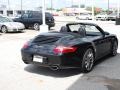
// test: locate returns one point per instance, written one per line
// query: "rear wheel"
(36, 26)
(88, 61)
(4, 29)
(26, 27)
(49, 27)
(114, 48)
(26, 62)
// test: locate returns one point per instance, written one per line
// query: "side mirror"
(107, 33)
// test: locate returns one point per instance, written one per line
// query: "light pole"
(21, 5)
(79, 3)
(93, 14)
(43, 28)
(7, 12)
(71, 3)
(108, 7)
(43, 12)
(51, 6)
(118, 8)
(9, 4)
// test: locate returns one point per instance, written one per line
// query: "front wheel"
(88, 61)
(4, 29)
(49, 27)
(114, 48)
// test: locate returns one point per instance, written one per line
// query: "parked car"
(101, 16)
(77, 45)
(112, 16)
(84, 16)
(8, 25)
(34, 19)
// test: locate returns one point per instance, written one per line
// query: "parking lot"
(15, 75)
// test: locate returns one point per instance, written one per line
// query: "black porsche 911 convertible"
(77, 45)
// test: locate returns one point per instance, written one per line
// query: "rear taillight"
(63, 49)
(25, 45)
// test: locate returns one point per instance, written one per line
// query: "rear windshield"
(45, 39)
(48, 15)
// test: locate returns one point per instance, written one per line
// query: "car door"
(31, 20)
(101, 41)
(24, 19)
(102, 44)
(35, 18)
(106, 40)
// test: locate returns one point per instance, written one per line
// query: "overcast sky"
(31, 4)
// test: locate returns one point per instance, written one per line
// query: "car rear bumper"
(62, 62)
(51, 24)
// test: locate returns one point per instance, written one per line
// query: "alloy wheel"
(88, 59)
(4, 29)
(36, 26)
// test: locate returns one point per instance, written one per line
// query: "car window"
(74, 27)
(37, 15)
(103, 13)
(30, 15)
(92, 30)
(5, 19)
(48, 15)
(113, 14)
(25, 15)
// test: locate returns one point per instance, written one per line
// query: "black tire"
(114, 48)
(49, 27)
(26, 62)
(4, 29)
(88, 61)
(26, 27)
(36, 26)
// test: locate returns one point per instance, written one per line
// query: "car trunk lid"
(45, 43)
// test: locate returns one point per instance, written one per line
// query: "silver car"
(101, 16)
(112, 16)
(8, 25)
(84, 16)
